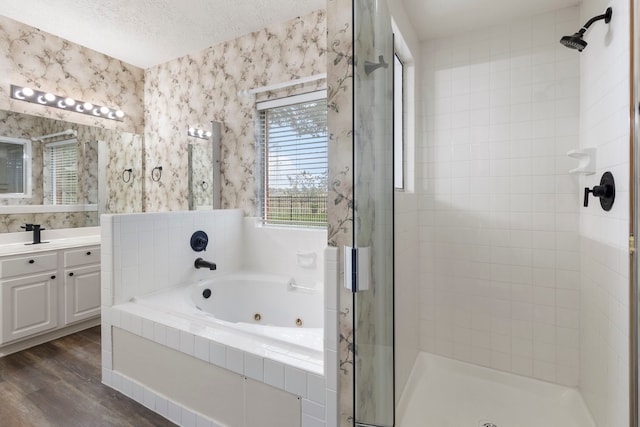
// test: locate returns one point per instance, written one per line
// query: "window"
(293, 143)
(398, 122)
(15, 167)
(61, 173)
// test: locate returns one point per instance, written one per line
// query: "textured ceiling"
(145, 33)
(440, 18)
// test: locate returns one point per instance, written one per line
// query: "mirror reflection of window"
(61, 173)
(14, 167)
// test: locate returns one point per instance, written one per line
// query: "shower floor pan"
(443, 392)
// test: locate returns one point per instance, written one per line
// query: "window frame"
(399, 182)
(262, 156)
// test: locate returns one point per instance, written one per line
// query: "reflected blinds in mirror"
(61, 173)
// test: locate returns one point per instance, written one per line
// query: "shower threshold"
(443, 392)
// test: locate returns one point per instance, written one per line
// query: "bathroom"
(497, 263)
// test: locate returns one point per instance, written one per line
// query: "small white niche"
(586, 160)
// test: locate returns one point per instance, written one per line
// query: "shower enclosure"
(372, 257)
(517, 279)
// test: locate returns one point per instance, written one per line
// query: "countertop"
(16, 243)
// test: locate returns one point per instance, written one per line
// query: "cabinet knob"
(31, 261)
(53, 277)
(71, 274)
(88, 252)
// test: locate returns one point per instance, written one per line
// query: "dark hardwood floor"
(58, 384)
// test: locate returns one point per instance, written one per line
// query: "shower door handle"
(357, 268)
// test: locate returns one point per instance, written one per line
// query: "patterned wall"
(340, 213)
(196, 89)
(46, 62)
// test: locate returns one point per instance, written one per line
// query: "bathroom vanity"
(50, 289)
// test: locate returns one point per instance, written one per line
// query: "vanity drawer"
(28, 265)
(88, 255)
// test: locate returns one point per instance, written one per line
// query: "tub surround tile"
(274, 373)
(217, 354)
(187, 343)
(173, 337)
(235, 360)
(316, 389)
(309, 387)
(253, 367)
(201, 348)
(295, 381)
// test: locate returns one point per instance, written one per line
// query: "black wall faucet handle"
(606, 192)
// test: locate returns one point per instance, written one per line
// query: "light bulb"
(27, 91)
(88, 106)
(104, 110)
(80, 108)
(119, 114)
(192, 131)
(70, 102)
(200, 132)
(96, 111)
(61, 104)
(208, 134)
(49, 97)
(41, 100)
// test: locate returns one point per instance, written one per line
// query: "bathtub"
(269, 316)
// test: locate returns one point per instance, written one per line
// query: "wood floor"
(58, 384)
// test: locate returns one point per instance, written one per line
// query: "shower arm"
(606, 16)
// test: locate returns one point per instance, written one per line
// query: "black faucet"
(200, 263)
(36, 228)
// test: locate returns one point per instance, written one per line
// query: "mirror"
(75, 193)
(204, 170)
(15, 167)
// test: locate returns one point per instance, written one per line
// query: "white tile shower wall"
(407, 287)
(152, 251)
(604, 325)
(498, 211)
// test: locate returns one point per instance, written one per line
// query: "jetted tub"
(267, 315)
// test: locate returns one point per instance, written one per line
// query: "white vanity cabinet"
(48, 292)
(81, 284)
(29, 295)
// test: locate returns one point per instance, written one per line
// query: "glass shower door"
(373, 214)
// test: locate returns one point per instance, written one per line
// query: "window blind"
(62, 173)
(293, 144)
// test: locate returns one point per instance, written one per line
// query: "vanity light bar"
(199, 133)
(50, 100)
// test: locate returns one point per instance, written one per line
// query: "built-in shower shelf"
(586, 161)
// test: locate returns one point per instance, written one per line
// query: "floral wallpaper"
(43, 61)
(340, 207)
(205, 86)
(34, 58)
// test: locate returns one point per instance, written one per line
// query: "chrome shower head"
(577, 41)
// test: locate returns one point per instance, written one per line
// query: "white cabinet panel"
(84, 256)
(28, 264)
(82, 293)
(29, 306)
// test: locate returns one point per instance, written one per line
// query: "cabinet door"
(82, 293)
(29, 305)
